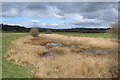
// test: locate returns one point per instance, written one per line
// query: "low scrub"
(115, 28)
(34, 32)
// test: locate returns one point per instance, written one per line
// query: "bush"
(48, 32)
(34, 32)
(114, 28)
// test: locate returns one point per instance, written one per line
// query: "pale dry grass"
(79, 66)
(61, 50)
(21, 52)
(69, 65)
(86, 41)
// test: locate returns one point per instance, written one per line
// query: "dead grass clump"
(49, 46)
(76, 50)
(44, 42)
(7, 56)
(83, 47)
(27, 42)
(66, 43)
(88, 54)
(99, 53)
(41, 51)
(60, 50)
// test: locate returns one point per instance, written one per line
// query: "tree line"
(17, 28)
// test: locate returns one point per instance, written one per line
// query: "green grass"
(102, 35)
(9, 69)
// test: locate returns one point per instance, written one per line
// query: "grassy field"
(11, 70)
(103, 35)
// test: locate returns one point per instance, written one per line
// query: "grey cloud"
(65, 7)
(106, 11)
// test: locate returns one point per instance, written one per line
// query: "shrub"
(48, 32)
(34, 32)
(115, 28)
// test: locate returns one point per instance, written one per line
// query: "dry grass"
(86, 41)
(49, 46)
(60, 50)
(79, 66)
(70, 65)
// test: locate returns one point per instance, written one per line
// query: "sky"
(60, 15)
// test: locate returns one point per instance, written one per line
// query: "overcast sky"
(60, 15)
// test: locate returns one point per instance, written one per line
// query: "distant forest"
(17, 28)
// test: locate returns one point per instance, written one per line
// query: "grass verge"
(9, 69)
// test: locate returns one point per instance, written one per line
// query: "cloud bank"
(62, 14)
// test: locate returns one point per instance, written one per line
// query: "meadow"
(16, 65)
(9, 69)
(97, 35)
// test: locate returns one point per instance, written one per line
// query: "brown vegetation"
(70, 64)
(60, 50)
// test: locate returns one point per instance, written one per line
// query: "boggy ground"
(72, 63)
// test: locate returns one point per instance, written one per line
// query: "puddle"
(60, 45)
(100, 51)
(71, 47)
(94, 51)
(55, 44)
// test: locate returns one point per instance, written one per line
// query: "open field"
(9, 69)
(70, 62)
(97, 35)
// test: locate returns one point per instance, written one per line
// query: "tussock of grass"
(65, 43)
(60, 50)
(40, 42)
(70, 65)
(49, 46)
(77, 50)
